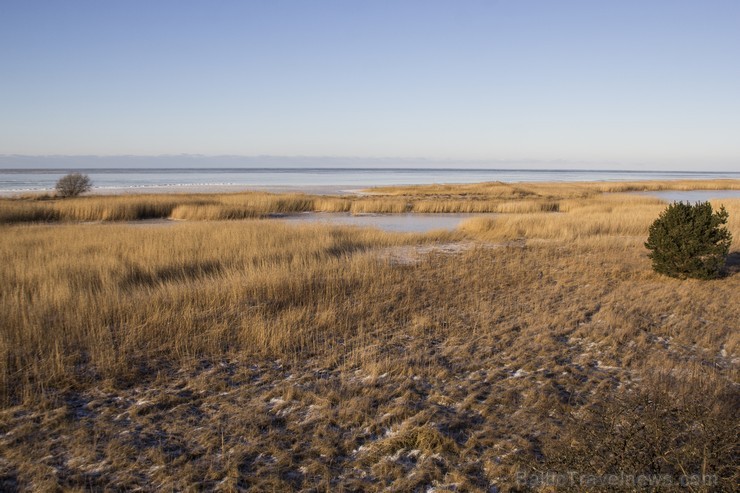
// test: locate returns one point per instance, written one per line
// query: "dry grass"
(507, 191)
(602, 216)
(106, 295)
(134, 207)
(477, 198)
(260, 356)
(480, 206)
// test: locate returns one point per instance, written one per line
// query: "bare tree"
(73, 184)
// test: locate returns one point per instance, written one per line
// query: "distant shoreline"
(317, 181)
(343, 189)
(198, 189)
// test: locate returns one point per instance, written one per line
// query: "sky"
(645, 83)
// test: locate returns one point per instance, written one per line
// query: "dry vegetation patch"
(260, 356)
(474, 198)
(520, 191)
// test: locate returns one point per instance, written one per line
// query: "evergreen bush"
(689, 240)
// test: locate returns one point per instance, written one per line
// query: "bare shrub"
(73, 184)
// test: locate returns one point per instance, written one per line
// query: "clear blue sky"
(646, 81)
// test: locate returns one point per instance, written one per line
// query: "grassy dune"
(255, 355)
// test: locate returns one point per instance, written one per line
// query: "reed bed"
(388, 206)
(501, 190)
(191, 207)
(212, 212)
(484, 206)
(478, 198)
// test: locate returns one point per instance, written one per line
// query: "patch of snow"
(396, 456)
(359, 449)
(606, 367)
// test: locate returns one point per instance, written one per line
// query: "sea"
(115, 180)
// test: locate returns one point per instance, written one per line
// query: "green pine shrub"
(689, 240)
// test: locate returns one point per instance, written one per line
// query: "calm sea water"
(19, 180)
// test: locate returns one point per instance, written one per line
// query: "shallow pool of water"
(692, 195)
(405, 223)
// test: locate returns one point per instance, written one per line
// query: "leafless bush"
(73, 184)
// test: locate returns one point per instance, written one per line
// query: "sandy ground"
(413, 254)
